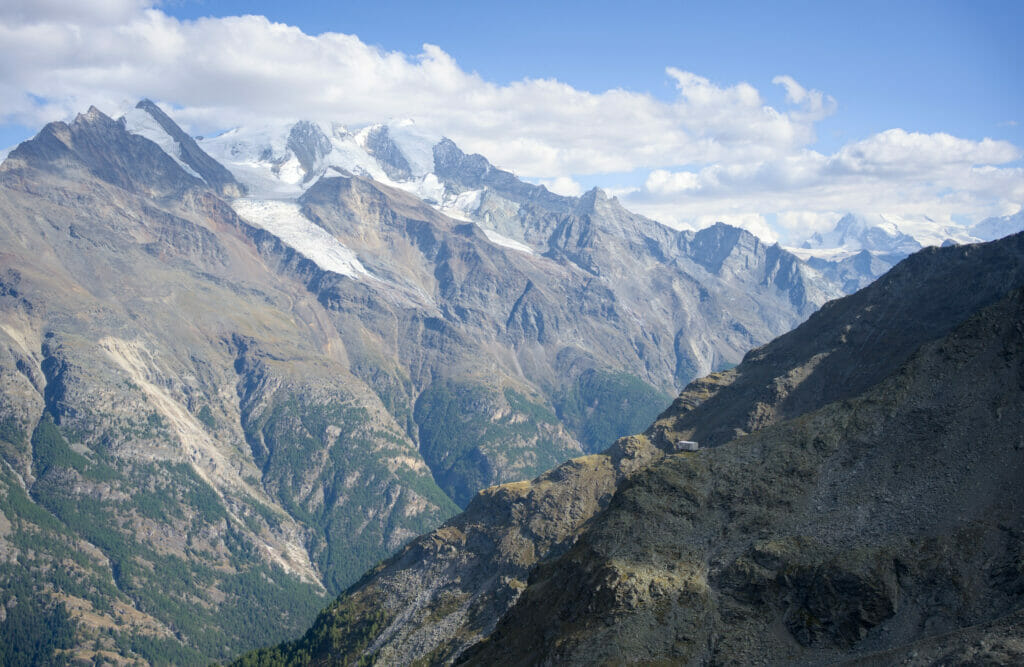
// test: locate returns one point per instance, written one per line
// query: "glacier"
(284, 219)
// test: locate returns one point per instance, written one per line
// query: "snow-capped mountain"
(994, 228)
(282, 161)
(149, 121)
(854, 233)
(857, 250)
(861, 247)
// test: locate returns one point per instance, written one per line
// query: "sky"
(779, 116)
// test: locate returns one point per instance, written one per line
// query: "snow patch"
(138, 121)
(504, 241)
(829, 254)
(461, 206)
(347, 154)
(291, 172)
(260, 158)
(929, 232)
(469, 201)
(416, 146)
(248, 144)
(284, 220)
(428, 188)
(254, 156)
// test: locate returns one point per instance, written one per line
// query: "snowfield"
(504, 241)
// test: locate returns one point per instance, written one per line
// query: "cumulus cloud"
(226, 71)
(563, 185)
(714, 151)
(893, 173)
(89, 12)
(900, 152)
(664, 182)
(817, 104)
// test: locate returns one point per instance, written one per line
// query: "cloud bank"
(713, 152)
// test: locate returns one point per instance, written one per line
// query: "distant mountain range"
(237, 372)
(858, 233)
(991, 229)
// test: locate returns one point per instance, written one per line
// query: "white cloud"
(803, 224)
(900, 152)
(665, 182)
(225, 71)
(90, 12)
(817, 105)
(895, 173)
(713, 152)
(795, 93)
(563, 185)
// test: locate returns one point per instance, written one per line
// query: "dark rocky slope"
(874, 514)
(864, 526)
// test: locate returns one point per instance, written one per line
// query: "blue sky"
(778, 116)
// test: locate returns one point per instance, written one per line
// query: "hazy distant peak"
(864, 232)
(993, 228)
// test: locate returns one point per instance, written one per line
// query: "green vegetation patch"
(50, 450)
(205, 415)
(340, 635)
(604, 406)
(35, 628)
(462, 441)
(340, 451)
(13, 439)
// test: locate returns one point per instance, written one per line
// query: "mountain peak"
(308, 142)
(92, 116)
(864, 232)
(589, 200)
(150, 121)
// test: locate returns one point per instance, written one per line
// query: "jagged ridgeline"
(237, 372)
(857, 499)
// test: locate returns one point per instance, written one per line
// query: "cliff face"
(870, 513)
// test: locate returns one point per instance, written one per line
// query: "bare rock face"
(879, 521)
(381, 146)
